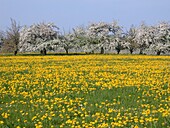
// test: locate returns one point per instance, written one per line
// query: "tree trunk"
(118, 51)
(131, 51)
(158, 52)
(43, 52)
(66, 49)
(102, 50)
(141, 51)
(15, 52)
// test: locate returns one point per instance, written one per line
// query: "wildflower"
(5, 115)
(1, 122)
(34, 118)
(136, 126)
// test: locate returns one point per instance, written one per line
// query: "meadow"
(129, 91)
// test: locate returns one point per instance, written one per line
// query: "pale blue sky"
(71, 13)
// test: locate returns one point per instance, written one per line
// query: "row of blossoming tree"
(98, 37)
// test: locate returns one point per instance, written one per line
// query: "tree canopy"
(97, 37)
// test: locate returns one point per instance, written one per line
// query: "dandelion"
(34, 118)
(1, 122)
(136, 126)
(5, 115)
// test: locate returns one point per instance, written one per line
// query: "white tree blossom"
(102, 35)
(67, 41)
(96, 36)
(161, 43)
(142, 37)
(38, 36)
(97, 33)
(116, 37)
(130, 42)
(81, 38)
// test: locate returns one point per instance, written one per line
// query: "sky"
(67, 14)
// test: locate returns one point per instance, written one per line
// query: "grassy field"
(85, 91)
